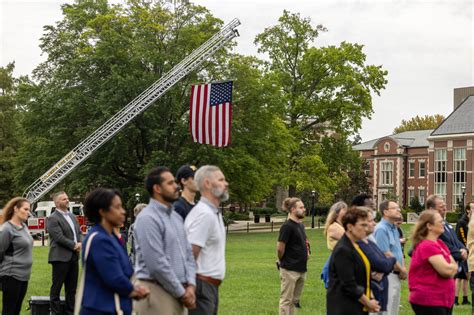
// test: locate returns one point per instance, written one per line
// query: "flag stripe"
(211, 124)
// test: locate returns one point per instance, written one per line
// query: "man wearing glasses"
(388, 240)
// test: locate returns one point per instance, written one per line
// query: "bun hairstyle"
(289, 203)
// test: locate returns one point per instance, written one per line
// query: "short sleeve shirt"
(182, 207)
(388, 239)
(296, 252)
(426, 285)
(205, 228)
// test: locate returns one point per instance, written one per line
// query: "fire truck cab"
(37, 223)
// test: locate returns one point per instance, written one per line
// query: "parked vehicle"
(37, 223)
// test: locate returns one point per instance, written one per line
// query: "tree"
(324, 93)
(420, 123)
(9, 130)
(100, 57)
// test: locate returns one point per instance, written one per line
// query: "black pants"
(207, 299)
(13, 294)
(431, 310)
(64, 273)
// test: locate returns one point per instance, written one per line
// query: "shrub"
(452, 217)
(263, 211)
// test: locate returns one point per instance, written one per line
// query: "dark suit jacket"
(451, 240)
(61, 237)
(347, 280)
(108, 271)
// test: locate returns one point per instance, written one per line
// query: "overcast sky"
(426, 46)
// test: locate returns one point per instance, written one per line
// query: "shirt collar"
(388, 223)
(161, 206)
(210, 204)
(62, 211)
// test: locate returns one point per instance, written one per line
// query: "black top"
(462, 228)
(183, 207)
(295, 257)
(347, 280)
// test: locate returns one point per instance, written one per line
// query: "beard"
(222, 195)
(299, 215)
(172, 197)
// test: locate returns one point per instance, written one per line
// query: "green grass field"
(252, 281)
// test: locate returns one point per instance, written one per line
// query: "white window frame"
(389, 172)
(459, 175)
(411, 167)
(421, 199)
(420, 168)
(440, 172)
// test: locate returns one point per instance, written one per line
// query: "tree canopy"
(292, 118)
(420, 123)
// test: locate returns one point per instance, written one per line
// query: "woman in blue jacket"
(107, 285)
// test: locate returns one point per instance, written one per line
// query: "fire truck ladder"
(108, 130)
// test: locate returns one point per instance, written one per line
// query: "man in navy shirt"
(185, 179)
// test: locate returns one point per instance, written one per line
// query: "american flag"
(210, 115)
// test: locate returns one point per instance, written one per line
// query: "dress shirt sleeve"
(198, 229)
(57, 235)
(345, 268)
(105, 259)
(383, 240)
(148, 235)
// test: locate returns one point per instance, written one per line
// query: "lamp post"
(313, 195)
(137, 200)
(463, 189)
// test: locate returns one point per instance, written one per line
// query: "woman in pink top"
(432, 268)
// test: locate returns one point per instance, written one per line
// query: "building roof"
(460, 120)
(411, 139)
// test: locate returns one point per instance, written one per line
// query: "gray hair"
(206, 171)
(139, 207)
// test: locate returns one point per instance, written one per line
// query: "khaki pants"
(159, 302)
(292, 283)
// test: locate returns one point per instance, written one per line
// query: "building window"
(366, 167)
(411, 169)
(411, 195)
(441, 174)
(386, 173)
(459, 175)
(422, 168)
(421, 196)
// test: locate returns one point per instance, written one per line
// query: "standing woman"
(432, 268)
(107, 288)
(333, 228)
(349, 270)
(16, 254)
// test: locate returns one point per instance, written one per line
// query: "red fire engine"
(37, 224)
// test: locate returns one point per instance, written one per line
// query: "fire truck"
(118, 121)
(37, 222)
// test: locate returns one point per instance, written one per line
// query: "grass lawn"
(252, 282)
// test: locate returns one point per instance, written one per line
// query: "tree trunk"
(292, 191)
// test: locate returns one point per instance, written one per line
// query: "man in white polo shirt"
(205, 230)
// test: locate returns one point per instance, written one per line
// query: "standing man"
(164, 259)
(365, 200)
(388, 240)
(462, 277)
(185, 179)
(206, 233)
(293, 254)
(65, 245)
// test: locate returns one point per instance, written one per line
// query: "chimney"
(460, 94)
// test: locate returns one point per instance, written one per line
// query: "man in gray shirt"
(164, 259)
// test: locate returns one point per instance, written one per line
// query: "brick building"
(425, 162)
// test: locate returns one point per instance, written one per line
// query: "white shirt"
(69, 220)
(205, 228)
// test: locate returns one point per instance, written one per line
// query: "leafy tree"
(324, 92)
(420, 123)
(100, 57)
(10, 116)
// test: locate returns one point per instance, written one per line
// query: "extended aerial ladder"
(108, 130)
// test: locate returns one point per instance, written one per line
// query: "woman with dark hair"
(105, 286)
(432, 268)
(16, 254)
(349, 270)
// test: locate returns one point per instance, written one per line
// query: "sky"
(425, 45)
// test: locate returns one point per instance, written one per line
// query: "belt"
(210, 280)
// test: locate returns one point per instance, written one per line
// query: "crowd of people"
(176, 259)
(366, 266)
